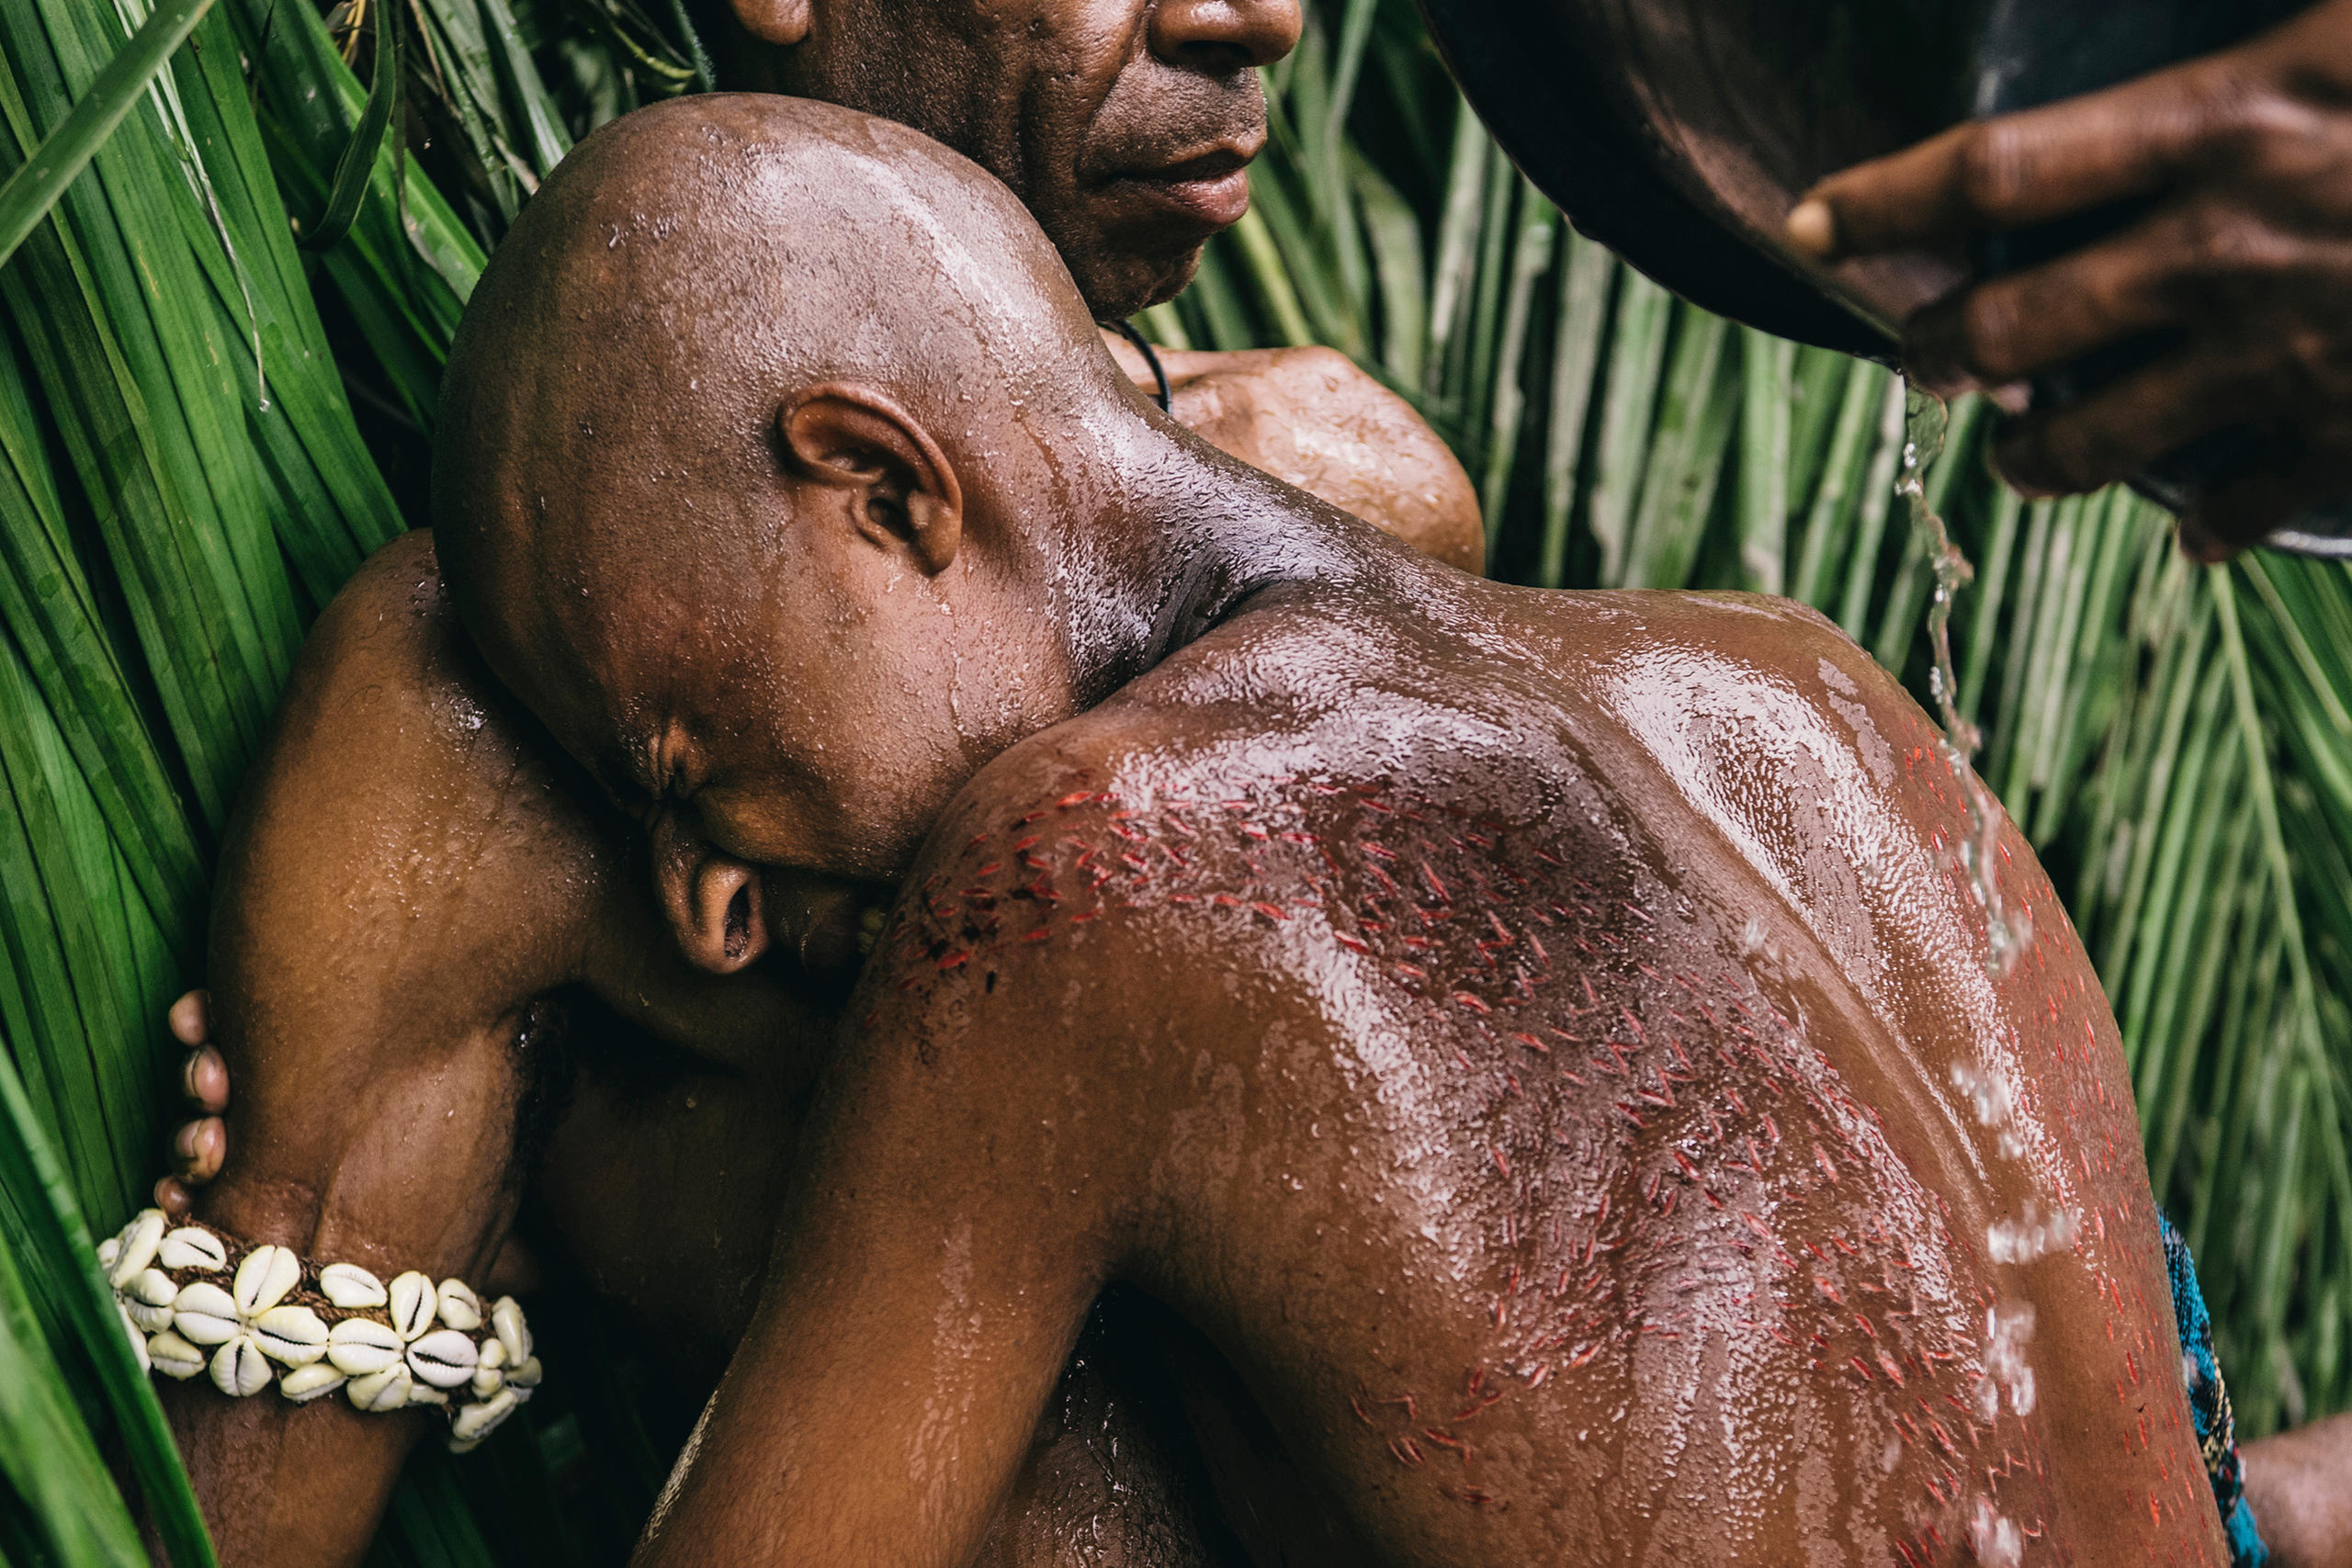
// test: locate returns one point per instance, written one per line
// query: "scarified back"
(1567, 1198)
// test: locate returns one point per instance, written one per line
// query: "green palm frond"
(183, 483)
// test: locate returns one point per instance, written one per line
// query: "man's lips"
(1211, 191)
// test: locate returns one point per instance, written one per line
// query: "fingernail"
(1812, 227)
(184, 1141)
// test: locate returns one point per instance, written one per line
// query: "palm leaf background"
(205, 426)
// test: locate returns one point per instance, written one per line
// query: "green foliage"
(183, 483)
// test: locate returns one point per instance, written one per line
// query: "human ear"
(782, 23)
(860, 439)
(711, 898)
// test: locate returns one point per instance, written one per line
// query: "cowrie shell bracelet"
(194, 1299)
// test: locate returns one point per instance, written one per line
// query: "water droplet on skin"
(2009, 1328)
(1995, 1539)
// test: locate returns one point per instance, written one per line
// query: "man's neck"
(1192, 538)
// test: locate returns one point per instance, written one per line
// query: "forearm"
(399, 1160)
(2299, 1483)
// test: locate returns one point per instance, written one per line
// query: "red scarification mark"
(1406, 1451)
(1502, 1163)
(1446, 1440)
(1269, 910)
(1473, 1003)
(955, 959)
(1040, 934)
(1076, 797)
(991, 868)
(1352, 944)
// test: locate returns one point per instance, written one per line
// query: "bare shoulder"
(1313, 418)
(386, 697)
(394, 761)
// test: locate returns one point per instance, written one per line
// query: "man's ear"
(843, 433)
(782, 23)
(711, 898)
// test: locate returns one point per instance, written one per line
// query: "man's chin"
(1119, 282)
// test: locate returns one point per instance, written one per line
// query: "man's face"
(1124, 125)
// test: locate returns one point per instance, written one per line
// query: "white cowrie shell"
(175, 1357)
(494, 1353)
(140, 1241)
(444, 1357)
(109, 1251)
(189, 1247)
(426, 1394)
(460, 1308)
(264, 1278)
(204, 1314)
(363, 1347)
(147, 1319)
(148, 1299)
(385, 1390)
(412, 1304)
(525, 1375)
(294, 1335)
(238, 1368)
(477, 1421)
(153, 1287)
(304, 1385)
(138, 1339)
(351, 1287)
(488, 1379)
(506, 1318)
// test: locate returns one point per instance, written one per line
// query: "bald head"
(752, 449)
(688, 270)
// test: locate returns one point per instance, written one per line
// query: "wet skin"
(407, 822)
(406, 825)
(1545, 1042)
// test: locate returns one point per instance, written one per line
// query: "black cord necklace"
(1164, 397)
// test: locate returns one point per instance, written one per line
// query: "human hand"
(2244, 261)
(202, 1142)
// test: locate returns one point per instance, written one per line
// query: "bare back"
(1548, 1042)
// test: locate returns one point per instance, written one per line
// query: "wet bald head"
(751, 379)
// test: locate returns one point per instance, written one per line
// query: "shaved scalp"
(607, 454)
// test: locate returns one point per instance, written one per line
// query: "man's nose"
(1220, 36)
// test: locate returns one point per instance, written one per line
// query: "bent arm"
(402, 879)
(954, 1213)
